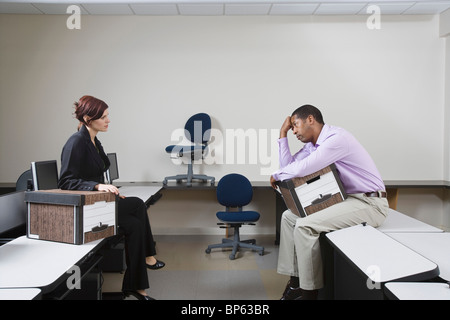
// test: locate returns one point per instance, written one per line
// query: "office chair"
(198, 131)
(25, 181)
(235, 191)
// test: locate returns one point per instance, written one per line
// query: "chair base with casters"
(236, 243)
(189, 177)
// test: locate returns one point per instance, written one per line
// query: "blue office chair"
(235, 191)
(198, 131)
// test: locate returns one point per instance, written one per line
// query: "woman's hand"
(107, 188)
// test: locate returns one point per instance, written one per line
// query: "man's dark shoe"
(291, 293)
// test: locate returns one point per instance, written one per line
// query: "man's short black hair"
(307, 110)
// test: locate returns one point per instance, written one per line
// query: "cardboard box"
(71, 216)
(312, 193)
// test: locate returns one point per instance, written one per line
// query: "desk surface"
(379, 256)
(144, 192)
(266, 184)
(397, 222)
(29, 263)
(417, 184)
(418, 290)
(196, 184)
(19, 294)
(433, 246)
(387, 183)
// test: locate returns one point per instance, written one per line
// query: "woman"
(83, 163)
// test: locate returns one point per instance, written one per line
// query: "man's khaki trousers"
(300, 254)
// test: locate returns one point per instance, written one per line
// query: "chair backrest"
(25, 181)
(234, 190)
(198, 128)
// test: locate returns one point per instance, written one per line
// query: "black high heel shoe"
(156, 266)
(137, 295)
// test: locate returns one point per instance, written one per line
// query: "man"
(299, 255)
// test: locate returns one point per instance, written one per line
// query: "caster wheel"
(232, 256)
(208, 250)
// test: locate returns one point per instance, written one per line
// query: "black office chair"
(198, 131)
(25, 181)
(235, 191)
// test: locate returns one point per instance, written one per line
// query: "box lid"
(68, 197)
(297, 181)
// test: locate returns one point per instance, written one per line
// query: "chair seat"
(185, 149)
(238, 217)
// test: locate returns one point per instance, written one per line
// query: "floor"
(191, 274)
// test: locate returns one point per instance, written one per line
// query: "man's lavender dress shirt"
(356, 168)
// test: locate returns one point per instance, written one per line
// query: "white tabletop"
(19, 293)
(379, 256)
(433, 246)
(142, 192)
(399, 222)
(419, 290)
(29, 263)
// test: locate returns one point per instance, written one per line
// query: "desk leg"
(392, 197)
(280, 207)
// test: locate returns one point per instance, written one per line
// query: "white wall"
(386, 86)
(246, 72)
(444, 22)
(444, 30)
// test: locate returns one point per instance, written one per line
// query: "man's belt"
(378, 194)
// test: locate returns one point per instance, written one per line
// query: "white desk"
(29, 263)
(399, 222)
(369, 248)
(365, 259)
(141, 191)
(418, 290)
(433, 246)
(19, 294)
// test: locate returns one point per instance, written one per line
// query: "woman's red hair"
(91, 107)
